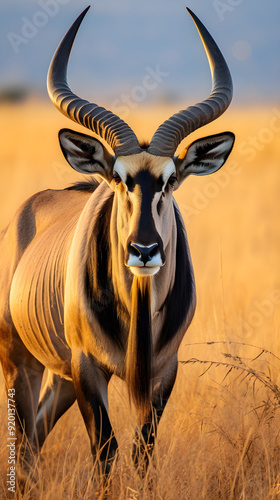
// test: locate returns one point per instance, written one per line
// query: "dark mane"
(138, 353)
(87, 185)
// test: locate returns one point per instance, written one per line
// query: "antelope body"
(97, 279)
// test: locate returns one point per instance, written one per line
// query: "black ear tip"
(64, 131)
(231, 135)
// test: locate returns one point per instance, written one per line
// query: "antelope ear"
(86, 154)
(204, 156)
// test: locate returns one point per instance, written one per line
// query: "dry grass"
(219, 437)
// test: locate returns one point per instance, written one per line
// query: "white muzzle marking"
(144, 260)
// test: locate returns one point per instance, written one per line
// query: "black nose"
(145, 253)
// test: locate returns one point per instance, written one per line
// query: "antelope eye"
(172, 180)
(117, 178)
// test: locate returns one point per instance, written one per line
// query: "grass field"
(219, 437)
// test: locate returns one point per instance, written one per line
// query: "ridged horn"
(98, 119)
(169, 135)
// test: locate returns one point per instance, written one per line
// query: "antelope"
(96, 279)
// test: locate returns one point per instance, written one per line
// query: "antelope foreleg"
(144, 441)
(91, 387)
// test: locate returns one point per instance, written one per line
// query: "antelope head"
(143, 178)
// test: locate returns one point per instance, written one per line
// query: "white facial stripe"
(119, 167)
(156, 197)
(123, 166)
(168, 171)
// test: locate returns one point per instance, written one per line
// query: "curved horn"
(104, 123)
(169, 135)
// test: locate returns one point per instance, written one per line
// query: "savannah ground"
(219, 436)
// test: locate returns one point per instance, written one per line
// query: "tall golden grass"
(219, 436)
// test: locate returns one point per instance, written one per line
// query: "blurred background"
(145, 61)
(119, 39)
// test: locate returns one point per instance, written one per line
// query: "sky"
(121, 42)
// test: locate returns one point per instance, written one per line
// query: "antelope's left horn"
(98, 119)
